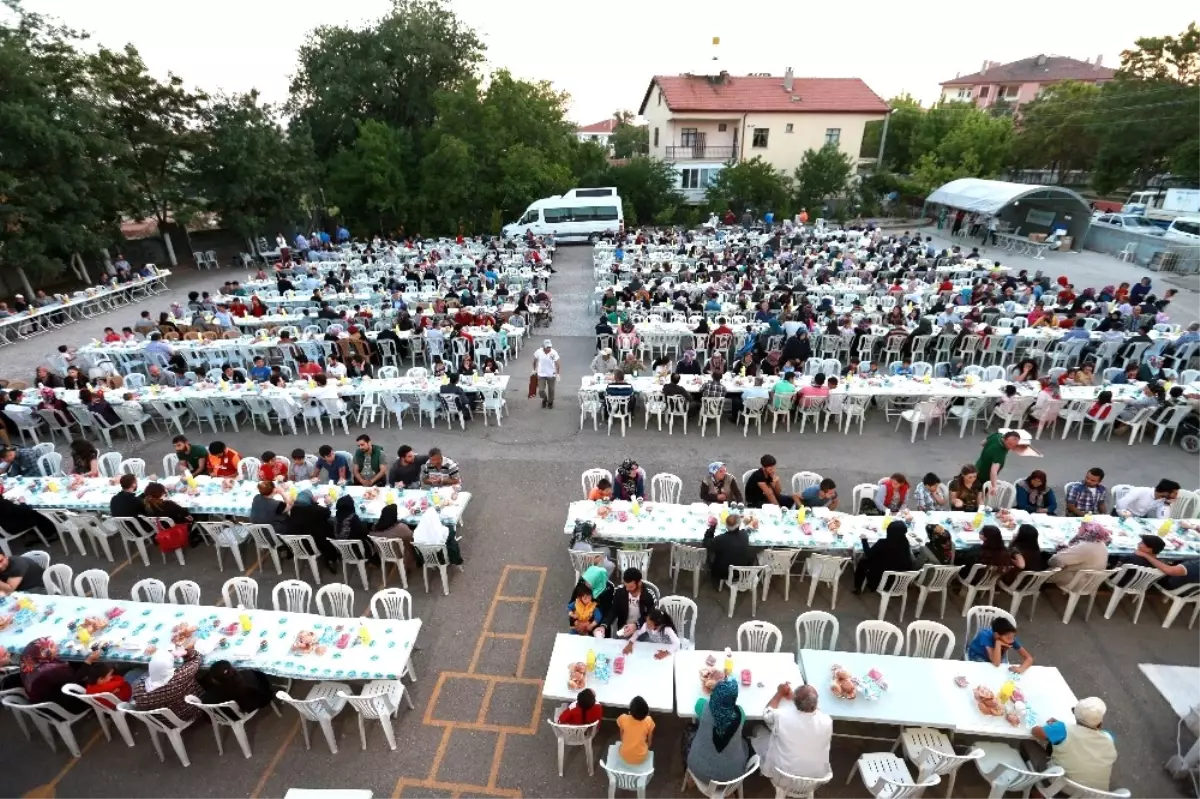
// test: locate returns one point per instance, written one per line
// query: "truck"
(1163, 207)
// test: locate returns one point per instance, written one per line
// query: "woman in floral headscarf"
(1087, 550)
(719, 486)
(630, 481)
(715, 364)
(43, 675)
(719, 751)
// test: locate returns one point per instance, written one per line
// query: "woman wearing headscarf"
(630, 481)
(389, 526)
(715, 365)
(995, 554)
(43, 675)
(890, 553)
(923, 328)
(309, 518)
(166, 685)
(797, 349)
(251, 689)
(720, 485)
(938, 549)
(348, 526)
(1088, 549)
(719, 751)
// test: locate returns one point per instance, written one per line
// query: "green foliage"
(901, 127)
(753, 184)
(1056, 130)
(367, 181)
(628, 140)
(647, 185)
(822, 174)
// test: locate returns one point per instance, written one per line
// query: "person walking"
(547, 366)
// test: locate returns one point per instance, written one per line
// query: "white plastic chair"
(824, 569)
(93, 583)
(264, 539)
(788, 786)
(134, 466)
(934, 579)
(241, 592)
(184, 592)
(711, 409)
(683, 613)
(885, 775)
(805, 480)
(109, 464)
(1180, 597)
(57, 580)
(161, 722)
(744, 578)
(618, 411)
(759, 636)
(50, 464)
(48, 718)
(1004, 497)
(636, 778)
(340, 598)
(391, 551)
(924, 413)
(1137, 581)
(933, 754)
(304, 550)
(226, 714)
(874, 637)
(687, 558)
(980, 617)
(104, 712)
(1078, 790)
(1085, 583)
(1026, 584)
(380, 700)
(582, 735)
(894, 584)
(666, 488)
(778, 562)
(1005, 770)
(226, 535)
(719, 790)
(296, 596)
(924, 638)
(435, 556)
(981, 579)
(811, 626)
(149, 590)
(38, 556)
(352, 554)
(634, 559)
(592, 477)
(324, 701)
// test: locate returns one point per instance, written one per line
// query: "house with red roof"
(703, 122)
(598, 132)
(1020, 82)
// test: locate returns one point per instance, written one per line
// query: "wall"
(786, 150)
(1113, 241)
(657, 116)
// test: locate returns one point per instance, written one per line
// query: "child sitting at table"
(905, 368)
(637, 732)
(271, 469)
(658, 629)
(992, 645)
(1101, 408)
(601, 491)
(584, 710)
(99, 678)
(583, 613)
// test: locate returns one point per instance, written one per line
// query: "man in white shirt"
(547, 367)
(797, 736)
(604, 363)
(1149, 503)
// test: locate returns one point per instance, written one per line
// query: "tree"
(980, 139)
(628, 139)
(753, 184)
(647, 185)
(390, 72)
(1164, 59)
(447, 185)
(1055, 132)
(251, 173)
(902, 124)
(589, 164)
(822, 174)
(61, 188)
(159, 124)
(526, 174)
(367, 181)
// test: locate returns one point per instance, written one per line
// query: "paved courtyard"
(478, 728)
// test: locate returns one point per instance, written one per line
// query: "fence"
(1153, 252)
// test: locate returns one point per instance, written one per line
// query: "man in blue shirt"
(1077, 332)
(713, 304)
(335, 467)
(343, 235)
(619, 254)
(260, 372)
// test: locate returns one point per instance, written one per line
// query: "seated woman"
(1035, 496)
(891, 553)
(44, 673)
(938, 549)
(165, 685)
(1025, 544)
(629, 481)
(994, 554)
(249, 688)
(1088, 549)
(965, 490)
(718, 750)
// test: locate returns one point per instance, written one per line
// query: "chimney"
(986, 64)
(1041, 60)
(1099, 61)
(788, 80)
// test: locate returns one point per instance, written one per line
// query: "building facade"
(1020, 82)
(599, 132)
(700, 123)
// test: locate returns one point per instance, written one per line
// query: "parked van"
(573, 217)
(1185, 229)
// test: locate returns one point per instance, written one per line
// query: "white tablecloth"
(644, 676)
(766, 668)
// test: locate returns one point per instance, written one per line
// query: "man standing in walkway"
(547, 367)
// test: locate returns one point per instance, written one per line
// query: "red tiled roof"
(747, 93)
(607, 126)
(1028, 70)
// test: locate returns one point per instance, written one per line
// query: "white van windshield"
(530, 217)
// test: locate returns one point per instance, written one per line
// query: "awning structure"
(1023, 207)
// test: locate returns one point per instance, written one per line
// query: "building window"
(787, 128)
(964, 94)
(760, 137)
(697, 178)
(1010, 92)
(983, 91)
(660, 96)
(833, 136)
(656, 137)
(689, 137)
(720, 127)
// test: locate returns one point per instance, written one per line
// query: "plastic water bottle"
(728, 662)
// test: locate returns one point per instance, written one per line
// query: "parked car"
(1130, 222)
(1185, 229)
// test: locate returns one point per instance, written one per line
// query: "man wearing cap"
(1084, 751)
(547, 367)
(1177, 574)
(604, 363)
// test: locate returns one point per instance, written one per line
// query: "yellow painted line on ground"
(270, 769)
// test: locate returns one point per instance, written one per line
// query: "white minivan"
(579, 215)
(1184, 228)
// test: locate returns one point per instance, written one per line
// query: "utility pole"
(883, 142)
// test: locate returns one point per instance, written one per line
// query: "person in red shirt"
(257, 308)
(946, 285)
(238, 308)
(222, 460)
(99, 678)
(723, 329)
(584, 710)
(271, 468)
(464, 317)
(308, 368)
(111, 336)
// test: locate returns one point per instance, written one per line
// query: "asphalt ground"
(478, 728)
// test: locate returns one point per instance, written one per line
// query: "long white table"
(79, 305)
(651, 679)
(382, 654)
(767, 671)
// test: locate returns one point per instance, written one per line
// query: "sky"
(604, 55)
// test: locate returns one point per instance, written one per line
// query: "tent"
(1022, 208)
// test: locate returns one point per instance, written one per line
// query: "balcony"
(701, 152)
